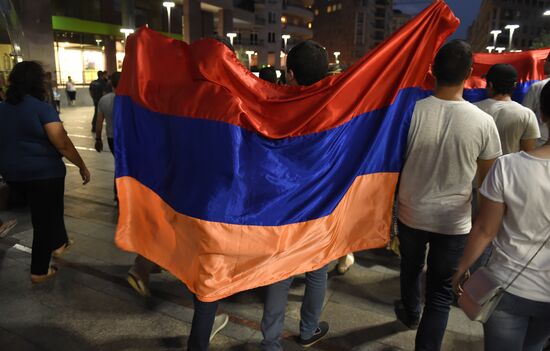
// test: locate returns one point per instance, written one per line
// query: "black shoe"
(403, 317)
(320, 333)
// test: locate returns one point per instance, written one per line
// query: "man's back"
(514, 122)
(532, 101)
(446, 138)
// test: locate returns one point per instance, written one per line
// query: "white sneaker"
(219, 323)
(344, 263)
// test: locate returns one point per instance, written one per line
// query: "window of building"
(310, 25)
(253, 38)
(329, 9)
(360, 29)
(271, 37)
(339, 6)
(316, 12)
(272, 17)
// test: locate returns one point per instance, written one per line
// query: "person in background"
(105, 113)
(517, 125)
(514, 217)
(71, 91)
(307, 63)
(97, 89)
(449, 140)
(33, 143)
(532, 101)
(269, 74)
(50, 94)
(6, 227)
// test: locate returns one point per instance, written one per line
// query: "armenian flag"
(230, 182)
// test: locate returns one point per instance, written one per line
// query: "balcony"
(296, 31)
(298, 11)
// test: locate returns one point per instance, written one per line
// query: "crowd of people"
(496, 143)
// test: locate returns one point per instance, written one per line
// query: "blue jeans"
(443, 255)
(201, 327)
(273, 319)
(517, 324)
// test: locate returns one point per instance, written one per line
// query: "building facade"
(351, 27)
(497, 14)
(399, 19)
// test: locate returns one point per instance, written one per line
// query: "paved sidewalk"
(89, 305)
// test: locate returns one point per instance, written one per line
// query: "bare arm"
(483, 167)
(483, 232)
(528, 144)
(98, 130)
(60, 140)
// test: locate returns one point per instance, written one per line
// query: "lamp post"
(495, 34)
(249, 53)
(336, 54)
(231, 37)
(500, 49)
(285, 39)
(490, 48)
(168, 5)
(511, 28)
(126, 31)
(546, 13)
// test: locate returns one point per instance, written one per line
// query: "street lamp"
(336, 54)
(231, 37)
(495, 34)
(126, 31)
(168, 5)
(546, 13)
(500, 49)
(511, 28)
(490, 48)
(249, 53)
(285, 39)
(98, 41)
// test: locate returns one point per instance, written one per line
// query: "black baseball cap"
(502, 75)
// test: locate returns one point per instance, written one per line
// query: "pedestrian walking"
(449, 140)
(32, 144)
(514, 217)
(97, 89)
(532, 101)
(70, 89)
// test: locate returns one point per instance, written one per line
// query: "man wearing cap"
(532, 101)
(517, 125)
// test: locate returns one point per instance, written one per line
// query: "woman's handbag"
(482, 293)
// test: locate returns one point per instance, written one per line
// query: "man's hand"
(85, 174)
(98, 145)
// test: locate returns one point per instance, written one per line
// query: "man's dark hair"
(452, 63)
(99, 74)
(545, 101)
(26, 78)
(503, 89)
(308, 61)
(115, 78)
(269, 74)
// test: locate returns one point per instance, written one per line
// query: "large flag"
(231, 183)
(529, 64)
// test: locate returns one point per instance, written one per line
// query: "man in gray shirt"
(449, 140)
(105, 112)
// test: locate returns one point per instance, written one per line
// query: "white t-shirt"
(70, 86)
(522, 182)
(105, 106)
(532, 101)
(514, 123)
(446, 138)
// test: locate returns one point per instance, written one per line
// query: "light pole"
(490, 48)
(168, 5)
(126, 31)
(231, 37)
(249, 53)
(500, 49)
(336, 54)
(495, 34)
(511, 28)
(546, 13)
(285, 39)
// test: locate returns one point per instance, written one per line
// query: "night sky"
(466, 10)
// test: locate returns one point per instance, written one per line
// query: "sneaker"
(219, 323)
(344, 264)
(320, 333)
(7, 226)
(402, 316)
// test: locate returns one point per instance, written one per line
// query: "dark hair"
(115, 78)
(545, 101)
(503, 89)
(308, 61)
(99, 74)
(269, 74)
(224, 40)
(26, 78)
(453, 62)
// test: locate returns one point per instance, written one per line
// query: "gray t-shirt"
(105, 106)
(532, 101)
(514, 123)
(446, 138)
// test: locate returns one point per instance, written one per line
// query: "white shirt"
(522, 182)
(70, 86)
(446, 138)
(514, 123)
(532, 101)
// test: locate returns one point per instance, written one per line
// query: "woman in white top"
(515, 216)
(71, 91)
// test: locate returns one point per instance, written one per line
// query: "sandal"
(59, 252)
(138, 284)
(7, 226)
(37, 279)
